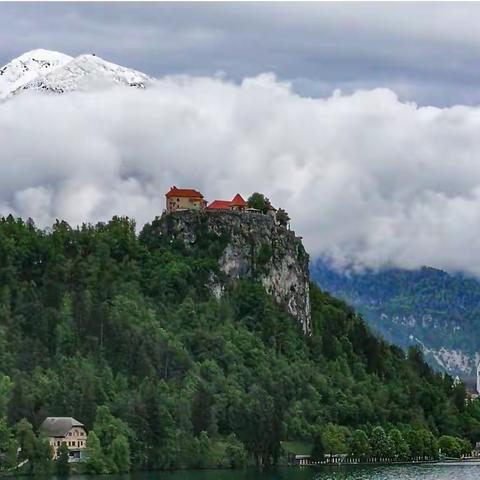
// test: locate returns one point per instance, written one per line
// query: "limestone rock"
(252, 246)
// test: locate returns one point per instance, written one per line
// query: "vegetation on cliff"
(120, 331)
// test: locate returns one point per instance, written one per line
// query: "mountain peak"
(27, 67)
(42, 54)
(45, 70)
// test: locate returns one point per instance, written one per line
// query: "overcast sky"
(385, 172)
(426, 52)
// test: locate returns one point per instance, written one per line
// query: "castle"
(178, 199)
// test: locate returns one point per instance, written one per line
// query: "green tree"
(334, 439)
(6, 386)
(26, 441)
(415, 443)
(465, 447)
(379, 444)
(202, 410)
(8, 446)
(62, 466)
(120, 454)
(282, 217)
(65, 329)
(258, 201)
(95, 462)
(430, 444)
(42, 458)
(235, 452)
(108, 429)
(449, 446)
(400, 449)
(359, 445)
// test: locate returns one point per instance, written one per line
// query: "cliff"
(252, 245)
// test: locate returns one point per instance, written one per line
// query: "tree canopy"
(120, 331)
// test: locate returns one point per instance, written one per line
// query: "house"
(184, 199)
(237, 204)
(67, 430)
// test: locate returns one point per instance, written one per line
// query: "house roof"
(58, 426)
(219, 205)
(183, 192)
(238, 201)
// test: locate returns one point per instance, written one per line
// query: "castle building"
(184, 199)
(237, 203)
(67, 430)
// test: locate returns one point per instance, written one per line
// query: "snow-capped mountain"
(49, 71)
(27, 67)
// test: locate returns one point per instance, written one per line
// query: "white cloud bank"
(366, 178)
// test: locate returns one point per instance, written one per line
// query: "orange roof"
(219, 205)
(183, 192)
(238, 201)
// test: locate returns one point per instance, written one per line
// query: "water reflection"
(398, 472)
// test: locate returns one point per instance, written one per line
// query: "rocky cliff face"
(252, 246)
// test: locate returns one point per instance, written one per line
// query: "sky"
(361, 120)
(426, 52)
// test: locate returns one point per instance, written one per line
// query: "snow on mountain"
(27, 67)
(42, 70)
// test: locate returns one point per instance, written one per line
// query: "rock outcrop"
(254, 246)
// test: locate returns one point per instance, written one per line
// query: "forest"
(118, 329)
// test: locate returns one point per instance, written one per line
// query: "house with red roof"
(237, 203)
(184, 199)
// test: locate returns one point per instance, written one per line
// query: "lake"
(394, 472)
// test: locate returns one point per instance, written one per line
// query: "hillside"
(430, 308)
(100, 316)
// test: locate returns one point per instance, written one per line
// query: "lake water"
(399, 472)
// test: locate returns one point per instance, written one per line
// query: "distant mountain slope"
(427, 307)
(44, 70)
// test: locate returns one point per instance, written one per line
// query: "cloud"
(368, 179)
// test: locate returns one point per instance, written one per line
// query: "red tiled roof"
(183, 192)
(219, 205)
(238, 201)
